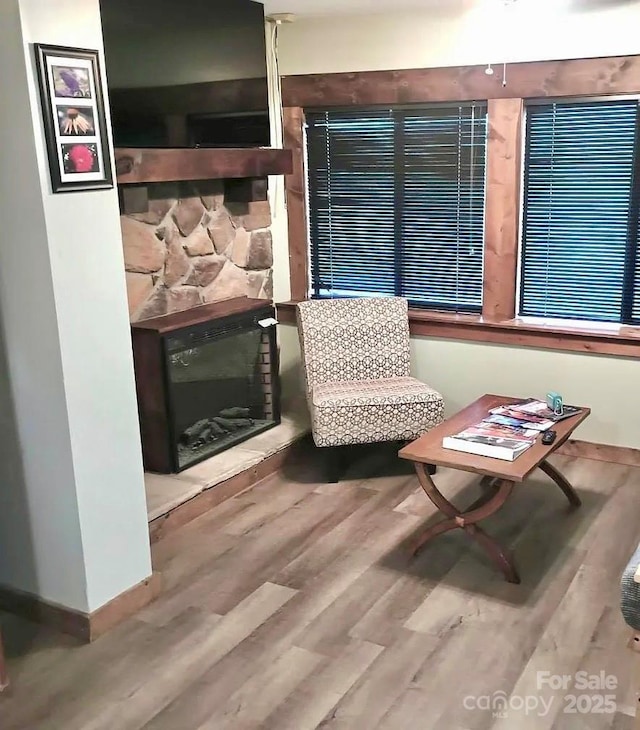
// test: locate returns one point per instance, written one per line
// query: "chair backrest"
(353, 339)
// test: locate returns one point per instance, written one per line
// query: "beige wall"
(73, 518)
(531, 30)
(464, 370)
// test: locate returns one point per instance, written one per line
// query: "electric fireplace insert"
(206, 379)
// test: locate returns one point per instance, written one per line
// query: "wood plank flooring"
(296, 606)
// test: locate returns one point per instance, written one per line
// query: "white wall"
(531, 30)
(535, 30)
(31, 368)
(76, 530)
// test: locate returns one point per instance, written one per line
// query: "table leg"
(569, 492)
(490, 502)
(488, 483)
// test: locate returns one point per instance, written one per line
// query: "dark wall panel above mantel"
(211, 97)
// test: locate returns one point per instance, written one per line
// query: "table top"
(429, 450)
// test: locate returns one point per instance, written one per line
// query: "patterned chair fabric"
(356, 361)
(630, 592)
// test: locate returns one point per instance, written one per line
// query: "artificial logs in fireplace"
(206, 379)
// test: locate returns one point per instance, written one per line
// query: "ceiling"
(331, 7)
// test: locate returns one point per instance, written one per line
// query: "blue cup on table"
(554, 403)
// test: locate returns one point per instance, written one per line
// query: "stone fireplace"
(193, 245)
(196, 228)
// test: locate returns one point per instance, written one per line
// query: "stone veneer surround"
(193, 247)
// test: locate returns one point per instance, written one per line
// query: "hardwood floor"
(295, 606)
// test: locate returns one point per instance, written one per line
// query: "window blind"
(396, 203)
(578, 252)
(635, 254)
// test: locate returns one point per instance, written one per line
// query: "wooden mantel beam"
(168, 165)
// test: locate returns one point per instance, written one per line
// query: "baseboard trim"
(601, 452)
(235, 485)
(84, 626)
(125, 605)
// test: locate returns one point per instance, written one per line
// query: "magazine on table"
(507, 416)
(503, 431)
(493, 440)
(534, 407)
(507, 431)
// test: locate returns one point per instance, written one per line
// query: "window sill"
(622, 341)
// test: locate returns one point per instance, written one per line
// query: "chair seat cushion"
(367, 411)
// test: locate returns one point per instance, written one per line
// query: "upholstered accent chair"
(356, 360)
(630, 605)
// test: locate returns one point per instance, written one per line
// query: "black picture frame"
(70, 83)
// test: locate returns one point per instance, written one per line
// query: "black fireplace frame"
(218, 328)
(151, 348)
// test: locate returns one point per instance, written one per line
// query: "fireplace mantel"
(204, 313)
(142, 165)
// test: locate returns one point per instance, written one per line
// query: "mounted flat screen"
(186, 73)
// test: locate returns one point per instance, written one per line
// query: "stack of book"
(508, 431)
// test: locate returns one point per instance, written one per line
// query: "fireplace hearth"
(207, 379)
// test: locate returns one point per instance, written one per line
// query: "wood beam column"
(502, 209)
(295, 182)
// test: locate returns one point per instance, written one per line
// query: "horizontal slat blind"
(396, 204)
(635, 295)
(351, 202)
(577, 209)
(443, 212)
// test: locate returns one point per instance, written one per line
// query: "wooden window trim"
(502, 208)
(497, 324)
(525, 80)
(296, 191)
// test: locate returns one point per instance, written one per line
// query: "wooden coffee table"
(498, 477)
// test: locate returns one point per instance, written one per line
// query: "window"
(581, 202)
(396, 203)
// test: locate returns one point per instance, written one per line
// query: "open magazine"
(510, 418)
(539, 408)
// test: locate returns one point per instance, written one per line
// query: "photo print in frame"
(74, 118)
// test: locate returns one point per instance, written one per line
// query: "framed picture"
(74, 118)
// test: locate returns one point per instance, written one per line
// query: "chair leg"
(335, 463)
